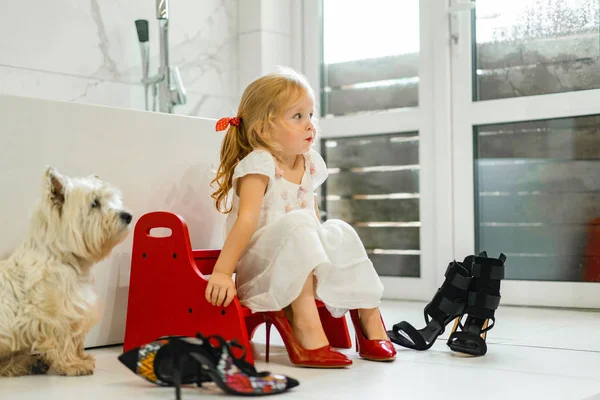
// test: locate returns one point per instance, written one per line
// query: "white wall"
(88, 52)
(159, 161)
(266, 31)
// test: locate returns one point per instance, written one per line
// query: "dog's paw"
(39, 367)
(86, 356)
(79, 368)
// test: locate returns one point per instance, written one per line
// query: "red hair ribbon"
(223, 123)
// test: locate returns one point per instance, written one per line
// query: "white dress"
(290, 242)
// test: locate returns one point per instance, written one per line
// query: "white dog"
(47, 305)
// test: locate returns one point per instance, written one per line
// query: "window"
(538, 186)
(371, 55)
(534, 47)
(374, 186)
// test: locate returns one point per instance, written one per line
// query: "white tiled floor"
(532, 354)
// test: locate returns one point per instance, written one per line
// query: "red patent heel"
(374, 350)
(323, 357)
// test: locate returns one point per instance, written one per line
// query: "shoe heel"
(268, 329)
(177, 372)
(484, 328)
(455, 326)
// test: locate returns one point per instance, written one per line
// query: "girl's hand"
(220, 289)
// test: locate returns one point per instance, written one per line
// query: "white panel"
(297, 19)
(528, 108)
(405, 120)
(276, 51)
(550, 294)
(159, 161)
(250, 50)
(249, 19)
(312, 46)
(462, 135)
(277, 16)
(441, 144)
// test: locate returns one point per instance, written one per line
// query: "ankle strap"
(457, 280)
(481, 305)
(496, 272)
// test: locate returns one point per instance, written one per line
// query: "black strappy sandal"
(233, 375)
(154, 363)
(482, 301)
(448, 303)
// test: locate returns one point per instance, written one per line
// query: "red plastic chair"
(166, 292)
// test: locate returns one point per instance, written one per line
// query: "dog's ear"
(55, 186)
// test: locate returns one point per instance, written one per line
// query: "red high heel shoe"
(374, 350)
(323, 357)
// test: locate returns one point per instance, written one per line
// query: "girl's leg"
(370, 320)
(305, 320)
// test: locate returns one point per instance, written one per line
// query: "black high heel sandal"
(447, 304)
(154, 363)
(232, 375)
(482, 301)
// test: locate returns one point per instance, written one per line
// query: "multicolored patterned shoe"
(154, 363)
(215, 359)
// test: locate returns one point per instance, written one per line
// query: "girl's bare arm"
(251, 189)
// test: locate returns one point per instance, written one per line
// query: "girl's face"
(294, 131)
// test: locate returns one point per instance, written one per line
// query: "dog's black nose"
(126, 217)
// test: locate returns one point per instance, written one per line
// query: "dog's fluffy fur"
(47, 305)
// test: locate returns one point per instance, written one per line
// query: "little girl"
(284, 258)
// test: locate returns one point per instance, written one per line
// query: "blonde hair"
(263, 101)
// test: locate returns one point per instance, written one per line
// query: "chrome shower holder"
(166, 85)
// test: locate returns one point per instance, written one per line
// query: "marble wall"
(87, 51)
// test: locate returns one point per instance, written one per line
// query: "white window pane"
(371, 55)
